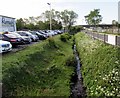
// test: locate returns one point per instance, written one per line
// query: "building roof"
(99, 25)
(6, 16)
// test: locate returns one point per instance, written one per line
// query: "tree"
(94, 17)
(41, 25)
(56, 25)
(75, 29)
(68, 18)
(20, 24)
(57, 16)
(47, 14)
(115, 24)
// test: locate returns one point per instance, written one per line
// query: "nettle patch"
(100, 66)
(109, 87)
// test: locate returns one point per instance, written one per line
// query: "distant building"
(7, 24)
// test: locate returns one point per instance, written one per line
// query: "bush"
(71, 61)
(64, 37)
(51, 42)
(75, 29)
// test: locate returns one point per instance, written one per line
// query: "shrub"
(64, 37)
(51, 43)
(71, 61)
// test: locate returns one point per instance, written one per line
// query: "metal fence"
(108, 38)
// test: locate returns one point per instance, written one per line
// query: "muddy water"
(77, 88)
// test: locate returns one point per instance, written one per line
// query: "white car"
(5, 46)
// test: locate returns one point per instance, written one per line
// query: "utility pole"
(118, 15)
(50, 16)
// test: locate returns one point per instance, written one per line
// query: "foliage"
(93, 18)
(58, 19)
(39, 70)
(40, 25)
(75, 29)
(68, 18)
(51, 43)
(20, 24)
(100, 66)
(65, 37)
(114, 23)
(56, 25)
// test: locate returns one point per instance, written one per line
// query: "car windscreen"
(28, 33)
(17, 34)
(34, 33)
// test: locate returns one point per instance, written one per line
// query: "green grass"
(39, 70)
(100, 66)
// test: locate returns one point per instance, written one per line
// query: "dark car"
(44, 33)
(14, 40)
(40, 36)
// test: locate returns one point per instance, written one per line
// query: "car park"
(5, 46)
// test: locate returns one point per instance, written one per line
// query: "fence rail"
(108, 38)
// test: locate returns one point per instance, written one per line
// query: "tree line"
(60, 19)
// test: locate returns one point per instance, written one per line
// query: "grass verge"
(39, 70)
(100, 66)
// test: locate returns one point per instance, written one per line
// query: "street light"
(50, 16)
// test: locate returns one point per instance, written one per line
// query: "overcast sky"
(27, 8)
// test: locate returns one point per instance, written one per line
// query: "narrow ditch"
(77, 88)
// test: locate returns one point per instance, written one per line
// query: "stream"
(77, 88)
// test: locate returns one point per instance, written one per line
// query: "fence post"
(104, 38)
(116, 40)
(97, 35)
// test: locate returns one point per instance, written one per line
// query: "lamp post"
(118, 16)
(50, 16)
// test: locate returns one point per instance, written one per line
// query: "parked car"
(26, 33)
(40, 35)
(44, 33)
(14, 40)
(51, 33)
(5, 46)
(25, 39)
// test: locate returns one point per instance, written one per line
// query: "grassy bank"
(100, 66)
(42, 69)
